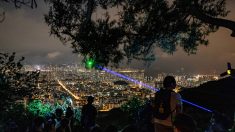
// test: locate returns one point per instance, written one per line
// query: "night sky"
(25, 32)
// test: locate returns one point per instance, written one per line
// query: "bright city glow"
(37, 67)
(63, 86)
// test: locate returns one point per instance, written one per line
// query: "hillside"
(216, 95)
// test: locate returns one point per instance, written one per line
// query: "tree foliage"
(38, 108)
(132, 107)
(15, 83)
(136, 27)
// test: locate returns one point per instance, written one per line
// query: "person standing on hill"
(167, 104)
(88, 116)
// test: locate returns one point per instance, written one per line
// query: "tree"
(15, 83)
(132, 107)
(38, 108)
(137, 27)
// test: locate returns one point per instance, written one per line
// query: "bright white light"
(70, 100)
(37, 67)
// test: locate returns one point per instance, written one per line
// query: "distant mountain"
(215, 95)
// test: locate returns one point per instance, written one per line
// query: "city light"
(229, 72)
(148, 86)
(37, 67)
(63, 86)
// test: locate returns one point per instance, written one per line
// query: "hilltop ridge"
(216, 95)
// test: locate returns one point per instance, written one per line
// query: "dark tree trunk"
(214, 21)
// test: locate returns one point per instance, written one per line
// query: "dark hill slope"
(215, 95)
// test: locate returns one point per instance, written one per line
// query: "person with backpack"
(167, 104)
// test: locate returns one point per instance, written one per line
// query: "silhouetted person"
(58, 117)
(184, 123)
(69, 115)
(63, 126)
(167, 104)
(50, 125)
(88, 116)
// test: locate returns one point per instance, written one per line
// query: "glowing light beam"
(148, 86)
(198, 106)
(128, 78)
(63, 86)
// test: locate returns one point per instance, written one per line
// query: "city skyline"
(77, 82)
(25, 33)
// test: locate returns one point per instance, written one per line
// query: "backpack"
(162, 108)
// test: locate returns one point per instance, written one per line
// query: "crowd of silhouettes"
(61, 121)
(149, 117)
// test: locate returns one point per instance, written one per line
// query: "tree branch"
(214, 21)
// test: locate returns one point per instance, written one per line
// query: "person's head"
(184, 123)
(90, 99)
(58, 112)
(69, 112)
(169, 82)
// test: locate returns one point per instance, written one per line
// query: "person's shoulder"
(174, 93)
(177, 95)
(93, 107)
